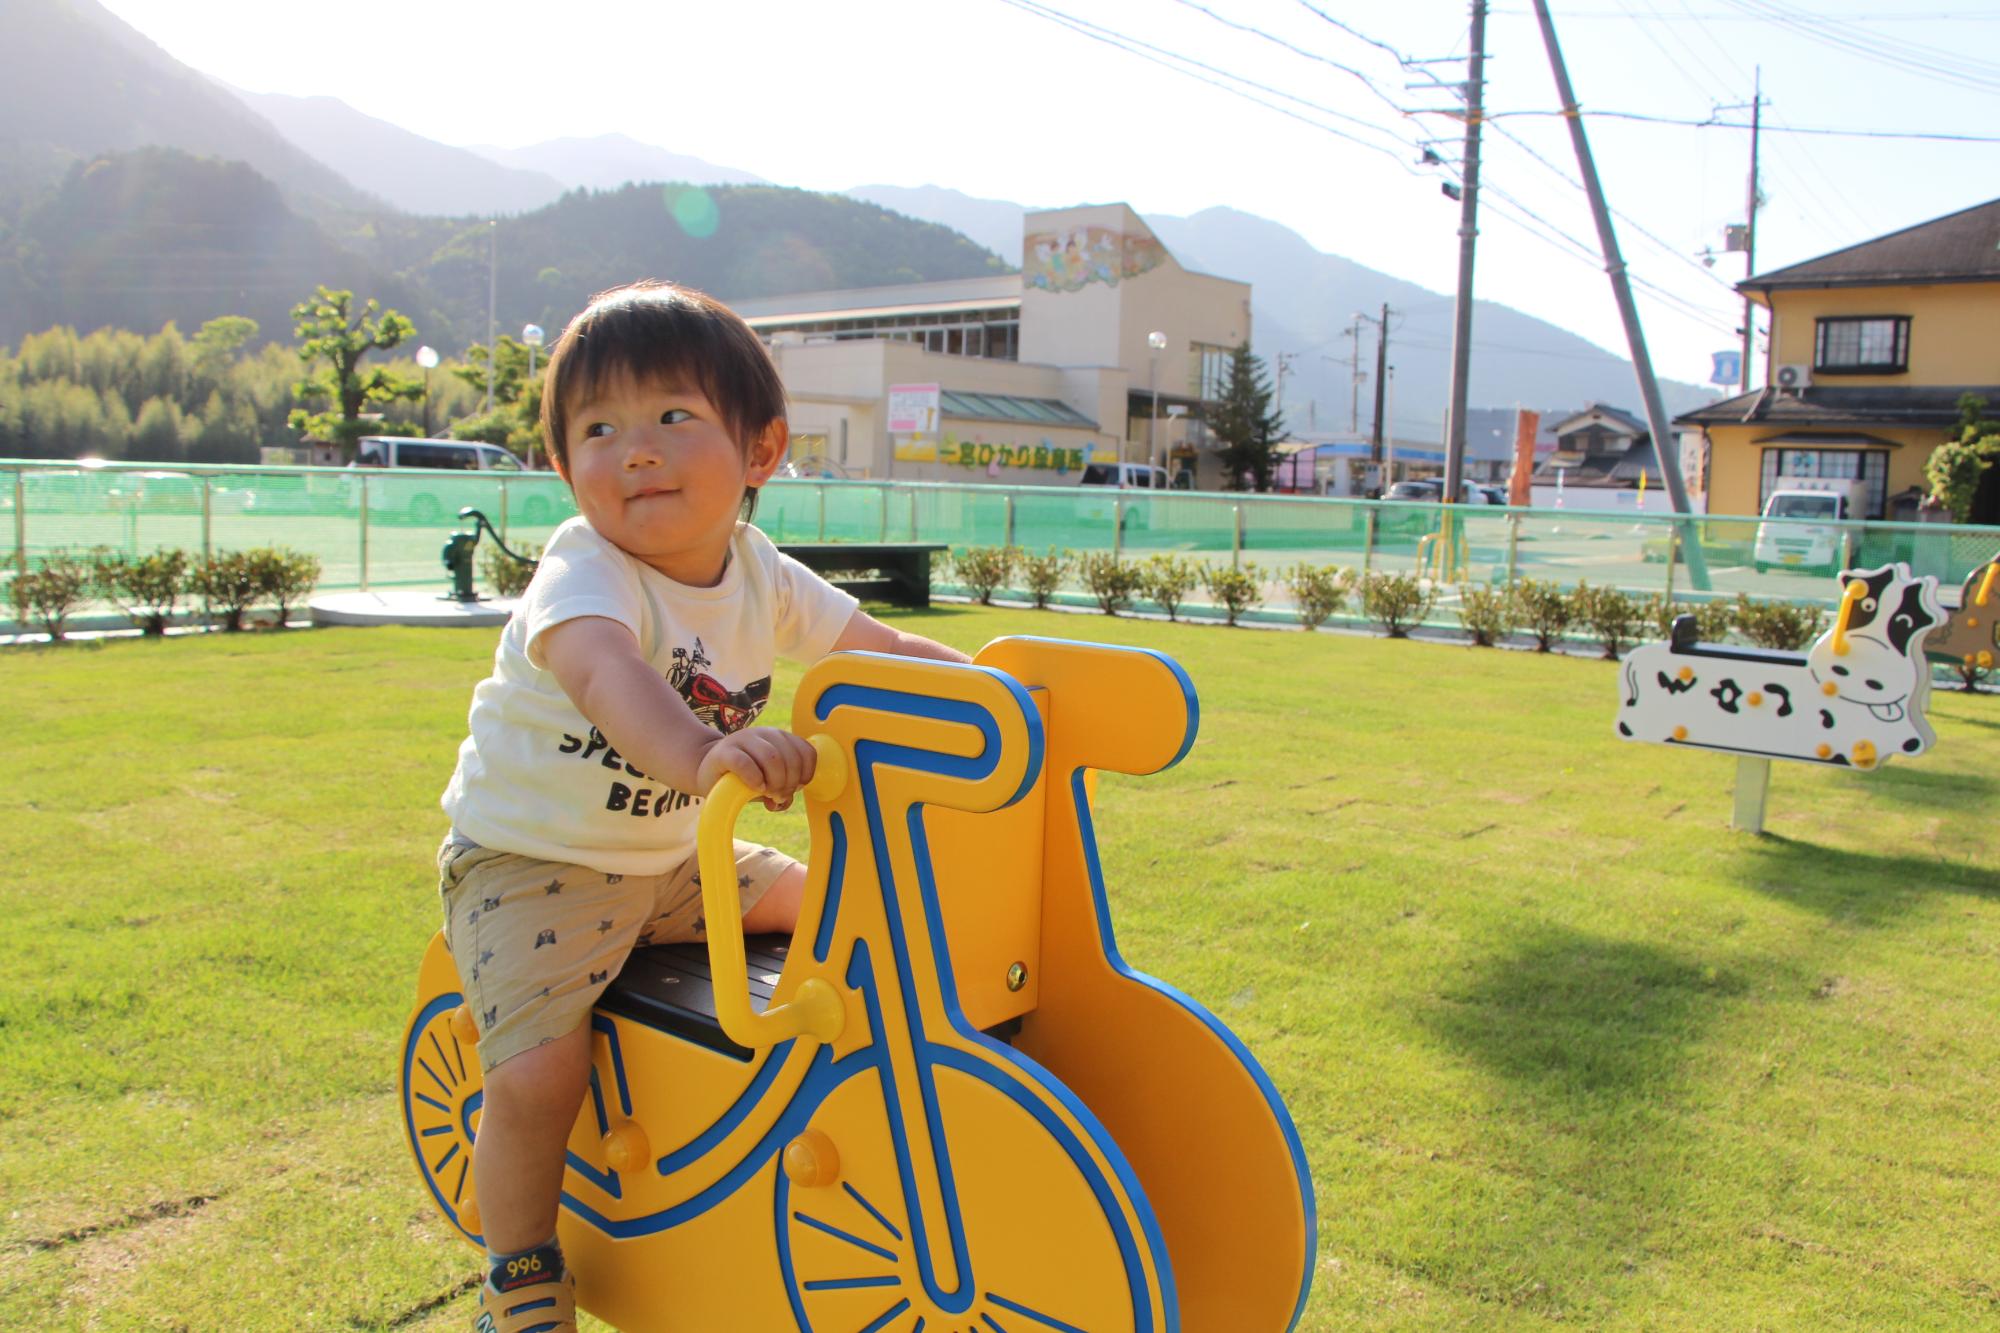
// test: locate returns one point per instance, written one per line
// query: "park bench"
(898, 572)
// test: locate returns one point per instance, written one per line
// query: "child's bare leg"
(777, 912)
(517, 1159)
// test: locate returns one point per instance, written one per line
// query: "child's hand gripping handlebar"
(815, 1009)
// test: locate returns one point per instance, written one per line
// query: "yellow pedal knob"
(463, 1027)
(812, 1161)
(1864, 754)
(1687, 673)
(1680, 733)
(1754, 699)
(1825, 751)
(1828, 687)
(626, 1147)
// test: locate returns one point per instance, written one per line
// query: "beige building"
(1871, 349)
(1102, 348)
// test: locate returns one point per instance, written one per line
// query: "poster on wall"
(913, 409)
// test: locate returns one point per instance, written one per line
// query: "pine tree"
(1246, 424)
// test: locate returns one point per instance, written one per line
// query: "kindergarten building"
(1103, 348)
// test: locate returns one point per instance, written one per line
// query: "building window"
(1868, 344)
(1211, 370)
(1871, 466)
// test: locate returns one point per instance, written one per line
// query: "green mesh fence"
(385, 528)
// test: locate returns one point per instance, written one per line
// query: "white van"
(431, 499)
(1125, 476)
(1793, 541)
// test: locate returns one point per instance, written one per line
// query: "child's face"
(657, 473)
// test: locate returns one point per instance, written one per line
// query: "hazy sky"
(1000, 100)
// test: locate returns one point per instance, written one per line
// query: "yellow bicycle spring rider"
(946, 1103)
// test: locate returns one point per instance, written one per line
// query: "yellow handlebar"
(815, 1009)
(1985, 593)
(1855, 590)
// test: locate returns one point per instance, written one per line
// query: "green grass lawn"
(1562, 1047)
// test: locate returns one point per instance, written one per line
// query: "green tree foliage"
(331, 331)
(1246, 424)
(1956, 469)
(515, 421)
(1044, 574)
(1167, 580)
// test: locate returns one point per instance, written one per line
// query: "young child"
(623, 687)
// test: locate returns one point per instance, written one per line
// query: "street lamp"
(1157, 341)
(532, 335)
(427, 357)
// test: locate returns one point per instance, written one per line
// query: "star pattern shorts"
(536, 942)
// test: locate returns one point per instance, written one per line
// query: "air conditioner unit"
(1793, 378)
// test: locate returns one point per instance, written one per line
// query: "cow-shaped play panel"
(946, 1103)
(1973, 634)
(1855, 698)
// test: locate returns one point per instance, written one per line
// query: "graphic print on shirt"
(709, 699)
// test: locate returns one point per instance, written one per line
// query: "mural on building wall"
(954, 451)
(1069, 261)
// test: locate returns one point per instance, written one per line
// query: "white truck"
(1789, 539)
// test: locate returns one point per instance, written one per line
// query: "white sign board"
(913, 408)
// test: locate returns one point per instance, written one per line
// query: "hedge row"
(149, 590)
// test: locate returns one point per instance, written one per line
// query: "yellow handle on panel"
(1985, 593)
(1855, 590)
(815, 1009)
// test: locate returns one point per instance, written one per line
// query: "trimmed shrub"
(504, 574)
(1488, 614)
(145, 589)
(1543, 609)
(1614, 618)
(984, 569)
(1396, 602)
(49, 593)
(1786, 626)
(285, 576)
(229, 582)
(1712, 620)
(1044, 574)
(1166, 580)
(1319, 591)
(1110, 580)
(1234, 590)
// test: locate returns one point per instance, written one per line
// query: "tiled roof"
(1894, 405)
(1959, 247)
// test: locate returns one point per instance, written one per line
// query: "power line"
(1712, 123)
(1911, 57)
(1365, 79)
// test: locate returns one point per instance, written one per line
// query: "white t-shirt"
(536, 779)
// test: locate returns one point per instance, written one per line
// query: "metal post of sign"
(1753, 785)
(364, 532)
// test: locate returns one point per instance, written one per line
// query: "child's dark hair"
(656, 332)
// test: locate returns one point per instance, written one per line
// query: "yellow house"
(1870, 350)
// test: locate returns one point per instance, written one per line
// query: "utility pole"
(1468, 233)
(1381, 384)
(1284, 360)
(1750, 233)
(1665, 448)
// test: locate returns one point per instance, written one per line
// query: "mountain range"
(134, 189)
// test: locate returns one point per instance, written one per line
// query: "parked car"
(1122, 477)
(1420, 492)
(1816, 547)
(428, 499)
(174, 493)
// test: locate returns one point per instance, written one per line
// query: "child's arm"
(598, 664)
(864, 633)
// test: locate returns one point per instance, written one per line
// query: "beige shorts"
(536, 942)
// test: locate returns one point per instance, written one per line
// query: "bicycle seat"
(668, 987)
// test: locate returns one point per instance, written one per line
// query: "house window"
(1871, 466)
(1869, 344)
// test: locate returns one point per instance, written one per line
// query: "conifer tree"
(1246, 424)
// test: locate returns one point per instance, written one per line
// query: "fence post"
(503, 509)
(1513, 547)
(207, 519)
(913, 514)
(1368, 544)
(364, 531)
(1117, 527)
(1236, 536)
(20, 524)
(885, 512)
(1673, 555)
(820, 490)
(1010, 521)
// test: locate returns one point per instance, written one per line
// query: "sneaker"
(539, 1307)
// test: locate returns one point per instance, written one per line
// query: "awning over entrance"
(1011, 407)
(1798, 439)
